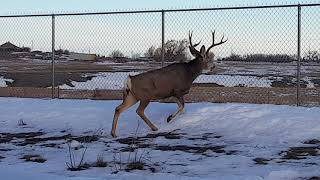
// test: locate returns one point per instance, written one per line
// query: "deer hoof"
(154, 129)
(113, 134)
(169, 118)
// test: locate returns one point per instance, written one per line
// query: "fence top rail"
(163, 10)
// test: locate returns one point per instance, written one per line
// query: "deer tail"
(127, 87)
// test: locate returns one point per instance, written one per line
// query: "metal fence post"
(53, 53)
(162, 38)
(299, 55)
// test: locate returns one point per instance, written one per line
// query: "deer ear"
(202, 51)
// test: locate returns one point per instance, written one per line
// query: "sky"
(34, 6)
(249, 31)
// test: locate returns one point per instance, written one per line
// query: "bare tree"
(150, 52)
(174, 51)
(135, 55)
(116, 53)
(312, 56)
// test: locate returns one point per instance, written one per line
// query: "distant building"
(83, 56)
(9, 47)
(10, 50)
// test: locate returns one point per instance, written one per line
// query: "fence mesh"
(310, 66)
(25, 46)
(104, 50)
(94, 53)
(246, 66)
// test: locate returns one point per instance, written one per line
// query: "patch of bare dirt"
(36, 140)
(303, 152)
(314, 178)
(5, 150)
(192, 149)
(31, 138)
(146, 142)
(141, 139)
(8, 137)
(312, 141)
(261, 161)
(34, 158)
(205, 136)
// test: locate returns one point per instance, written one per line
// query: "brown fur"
(173, 80)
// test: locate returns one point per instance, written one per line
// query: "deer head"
(203, 55)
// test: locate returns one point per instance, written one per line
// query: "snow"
(3, 81)
(105, 80)
(286, 174)
(250, 130)
(114, 80)
(235, 80)
(263, 68)
(75, 144)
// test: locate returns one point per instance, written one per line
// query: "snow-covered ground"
(265, 68)
(114, 80)
(207, 141)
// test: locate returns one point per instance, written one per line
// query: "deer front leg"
(180, 102)
(140, 112)
(127, 102)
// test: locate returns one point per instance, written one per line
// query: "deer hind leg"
(129, 101)
(180, 102)
(140, 112)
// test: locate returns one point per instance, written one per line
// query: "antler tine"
(192, 48)
(213, 36)
(190, 36)
(190, 41)
(197, 44)
(222, 39)
(213, 44)
(213, 33)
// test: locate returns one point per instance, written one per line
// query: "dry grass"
(100, 162)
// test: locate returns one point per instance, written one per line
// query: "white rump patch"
(127, 83)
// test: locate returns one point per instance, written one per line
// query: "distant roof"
(9, 45)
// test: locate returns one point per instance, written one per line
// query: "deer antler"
(213, 44)
(192, 48)
(190, 37)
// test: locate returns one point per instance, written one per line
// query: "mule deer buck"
(174, 80)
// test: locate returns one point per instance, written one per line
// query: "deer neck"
(195, 68)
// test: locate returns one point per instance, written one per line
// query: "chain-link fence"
(271, 56)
